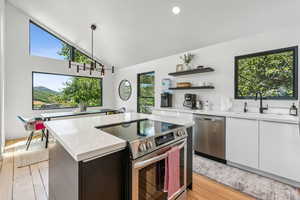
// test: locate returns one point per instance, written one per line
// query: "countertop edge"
(100, 152)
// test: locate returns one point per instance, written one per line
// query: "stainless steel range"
(149, 142)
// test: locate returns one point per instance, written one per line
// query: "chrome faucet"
(261, 108)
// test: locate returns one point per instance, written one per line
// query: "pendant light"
(94, 64)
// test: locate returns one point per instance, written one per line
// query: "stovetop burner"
(140, 129)
(145, 136)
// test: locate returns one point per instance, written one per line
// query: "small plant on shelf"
(187, 59)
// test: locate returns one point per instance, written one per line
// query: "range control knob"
(142, 147)
(149, 145)
(180, 133)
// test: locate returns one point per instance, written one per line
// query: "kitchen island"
(88, 163)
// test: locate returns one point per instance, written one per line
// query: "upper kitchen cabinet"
(242, 141)
(280, 149)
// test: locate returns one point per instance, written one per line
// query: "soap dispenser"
(293, 110)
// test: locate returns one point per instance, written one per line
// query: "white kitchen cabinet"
(280, 149)
(242, 141)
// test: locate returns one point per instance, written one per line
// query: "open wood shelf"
(192, 88)
(193, 71)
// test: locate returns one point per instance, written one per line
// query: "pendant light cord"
(93, 65)
(92, 44)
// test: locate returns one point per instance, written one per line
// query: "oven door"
(148, 174)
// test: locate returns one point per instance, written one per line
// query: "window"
(55, 91)
(145, 101)
(273, 73)
(43, 43)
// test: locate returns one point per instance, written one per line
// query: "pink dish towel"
(172, 172)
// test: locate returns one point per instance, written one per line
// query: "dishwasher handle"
(208, 118)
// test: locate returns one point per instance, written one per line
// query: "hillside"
(43, 94)
(44, 89)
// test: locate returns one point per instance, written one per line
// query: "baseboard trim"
(266, 174)
(210, 157)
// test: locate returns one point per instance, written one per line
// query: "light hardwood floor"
(31, 182)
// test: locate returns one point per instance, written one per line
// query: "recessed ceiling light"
(176, 10)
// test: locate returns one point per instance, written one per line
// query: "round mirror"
(125, 90)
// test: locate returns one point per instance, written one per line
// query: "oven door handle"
(144, 163)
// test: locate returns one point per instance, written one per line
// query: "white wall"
(19, 67)
(2, 63)
(221, 58)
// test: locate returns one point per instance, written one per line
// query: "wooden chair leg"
(29, 137)
(29, 140)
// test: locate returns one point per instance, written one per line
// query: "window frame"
(48, 32)
(72, 48)
(37, 72)
(138, 89)
(294, 49)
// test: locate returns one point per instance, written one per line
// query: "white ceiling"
(135, 31)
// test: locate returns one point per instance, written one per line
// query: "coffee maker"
(190, 101)
(165, 100)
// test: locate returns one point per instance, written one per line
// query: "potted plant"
(82, 106)
(187, 59)
(82, 101)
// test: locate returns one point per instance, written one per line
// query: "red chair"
(33, 125)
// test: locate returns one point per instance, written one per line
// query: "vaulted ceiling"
(135, 31)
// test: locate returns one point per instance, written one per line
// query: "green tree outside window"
(271, 74)
(146, 92)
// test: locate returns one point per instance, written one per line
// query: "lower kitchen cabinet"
(189, 175)
(280, 149)
(101, 178)
(242, 141)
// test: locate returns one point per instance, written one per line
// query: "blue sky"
(44, 44)
(51, 81)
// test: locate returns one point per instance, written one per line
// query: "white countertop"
(256, 116)
(83, 141)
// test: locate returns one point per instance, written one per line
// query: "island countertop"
(83, 141)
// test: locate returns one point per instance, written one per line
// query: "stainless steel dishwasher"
(209, 137)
